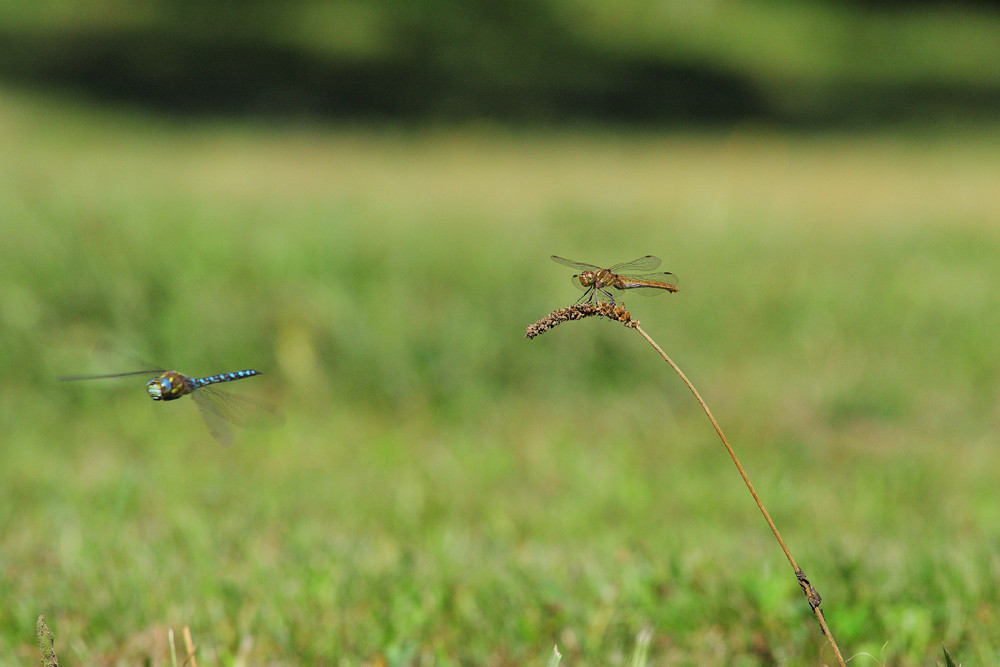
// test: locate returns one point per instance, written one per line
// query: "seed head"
(601, 309)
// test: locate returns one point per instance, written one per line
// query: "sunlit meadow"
(444, 491)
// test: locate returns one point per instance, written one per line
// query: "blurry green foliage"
(804, 63)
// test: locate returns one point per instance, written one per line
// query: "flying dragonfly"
(219, 408)
(636, 275)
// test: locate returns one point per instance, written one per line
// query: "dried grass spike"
(615, 312)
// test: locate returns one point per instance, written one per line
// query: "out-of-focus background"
(360, 198)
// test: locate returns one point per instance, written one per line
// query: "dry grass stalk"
(578, 312)
(189, 647)
(620, 314)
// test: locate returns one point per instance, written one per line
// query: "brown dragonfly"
(635, 275)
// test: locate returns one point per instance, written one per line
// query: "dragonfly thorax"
(605, 278)
(602, 278)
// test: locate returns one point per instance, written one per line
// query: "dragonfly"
(636, 275)
(218, 408)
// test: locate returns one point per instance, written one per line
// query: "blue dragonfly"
(219, 408)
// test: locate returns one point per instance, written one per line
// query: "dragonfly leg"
(608, 294)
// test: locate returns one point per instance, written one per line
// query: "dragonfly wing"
(575, 265)
(664, 277)
(640, 264)
(109, 355)
(119, 355)
(73, 378)
(214, 418)
(240, 410)
(647, 291)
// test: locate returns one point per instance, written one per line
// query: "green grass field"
(444, 491)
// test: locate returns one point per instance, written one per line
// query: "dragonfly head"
(587, 278)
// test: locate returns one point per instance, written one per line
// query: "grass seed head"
(602, 309)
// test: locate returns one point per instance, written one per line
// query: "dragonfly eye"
(586, 278)
(156, 389)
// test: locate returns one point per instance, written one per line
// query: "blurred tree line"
(814, 62)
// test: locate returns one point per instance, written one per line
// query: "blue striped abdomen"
(224, 377)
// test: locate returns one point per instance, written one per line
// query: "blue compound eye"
(156, 389)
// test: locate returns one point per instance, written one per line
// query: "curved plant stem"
(812, 595)
(618, 313)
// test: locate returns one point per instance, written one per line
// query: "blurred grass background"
(808, 64)
(445, 491)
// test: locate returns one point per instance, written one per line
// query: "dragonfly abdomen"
(224, 377)
(635, 283)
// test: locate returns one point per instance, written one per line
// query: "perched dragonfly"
(635, 275)
(219, 408)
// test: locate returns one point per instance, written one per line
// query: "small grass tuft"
(641, 654)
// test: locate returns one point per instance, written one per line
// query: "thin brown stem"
(812, 595)
(620, 314)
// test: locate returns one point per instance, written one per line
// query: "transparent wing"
(577, 265)
(121, 356)
(151, 372)
(107, 354)
(647, 291)
(214, 418)
(221, 407)
(665, 277)
(640, 264)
